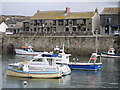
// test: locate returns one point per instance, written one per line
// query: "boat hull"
(19, 73)
(86, 66)
(23, 52)
(109, 55)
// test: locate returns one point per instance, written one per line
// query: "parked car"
(9, 33)
(117, 33)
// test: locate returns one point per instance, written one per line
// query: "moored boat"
(91, 65)
(110, 53)
(39, 67)
(63, 58)
(26, 50)
(64, 68)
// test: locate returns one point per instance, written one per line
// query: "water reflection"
(31, 83)
(78, 79)
(91, 79)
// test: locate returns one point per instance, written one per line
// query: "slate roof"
(76, 15)
(62, 15)
(112, 10)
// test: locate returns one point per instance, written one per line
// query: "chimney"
(67, 10)
(38, 11)
(96, 10)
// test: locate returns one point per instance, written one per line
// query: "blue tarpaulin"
(48, 55)
(114, 25)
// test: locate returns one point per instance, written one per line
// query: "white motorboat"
(110, 53)
(26, 50)
(38, 67)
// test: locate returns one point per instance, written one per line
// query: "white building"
(3, 27)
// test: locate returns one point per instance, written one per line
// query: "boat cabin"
(111, 51)
(50, 61)
(27, 48)
(93, 58)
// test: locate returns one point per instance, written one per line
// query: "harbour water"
(107, 77)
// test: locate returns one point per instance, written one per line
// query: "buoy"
(25, 82)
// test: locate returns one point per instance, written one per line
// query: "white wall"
(95, 22)
(3, 27)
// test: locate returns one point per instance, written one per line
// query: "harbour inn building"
(62, 23)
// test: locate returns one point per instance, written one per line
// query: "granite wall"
(76, 45)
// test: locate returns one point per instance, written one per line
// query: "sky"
(60, 0)
(29, 7)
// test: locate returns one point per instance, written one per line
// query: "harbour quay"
(76, 45)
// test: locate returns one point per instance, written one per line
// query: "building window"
(54, 29)
(66, 22)
(79, 27)
(35, 22)
(84, 29)
(74, 22)
(84, 21)
(48, 29)
(60, 22)
(67, 29)
(74, 29)
(34, 29)
(38, 29)
(40, 23)
(54, 22)
(88, 29)
(27, 28)
(108, 20)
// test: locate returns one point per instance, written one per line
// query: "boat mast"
(97, 44)
(63, 49)
(96, 41)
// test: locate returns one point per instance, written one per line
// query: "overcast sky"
(60, 0)
(29, 7)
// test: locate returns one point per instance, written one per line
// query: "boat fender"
(25, 83)
(93, 58)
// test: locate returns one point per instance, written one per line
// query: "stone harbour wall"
(76, 45)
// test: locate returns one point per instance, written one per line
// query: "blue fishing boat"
(91, 65)
(63, 58)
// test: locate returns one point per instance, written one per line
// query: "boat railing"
(93, 58)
